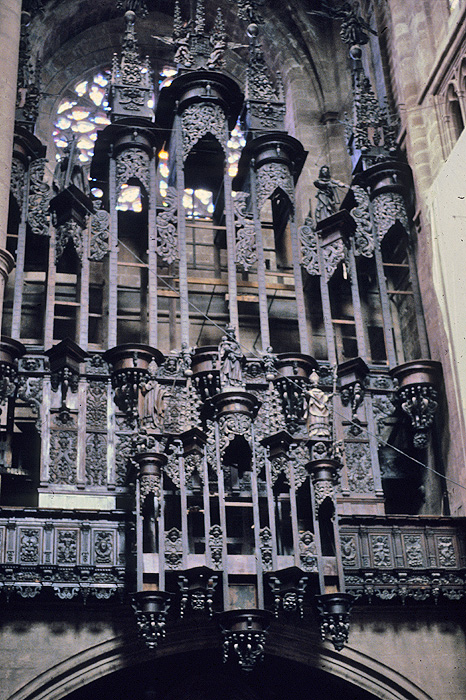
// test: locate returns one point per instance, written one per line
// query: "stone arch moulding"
(356, 668)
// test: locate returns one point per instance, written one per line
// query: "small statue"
(219, 44)
(183, 53)
(153, 394)
(230, 360)
(327, 194)
(317, 411)
(268, 359)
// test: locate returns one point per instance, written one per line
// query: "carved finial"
(372, 130)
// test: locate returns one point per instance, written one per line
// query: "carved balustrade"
(66, 554)
(401, 559)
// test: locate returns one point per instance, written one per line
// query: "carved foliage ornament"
(246, 253)
(359, 467)
(269, 178)
(232, 425)
(69, 231)
(333, 254)
(323, 490)
(364, 243)
(388, 208)
(17, 181)
(309, 248)
(133, 164)
(63, 455)
(96, 405)
(198, 120)
(96, 459)
(39, 198)
(167, 239)
(100, 231)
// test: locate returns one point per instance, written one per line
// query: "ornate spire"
(372, 131)
(131, 85)
(266, 108)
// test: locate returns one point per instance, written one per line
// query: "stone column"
(10, 23)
